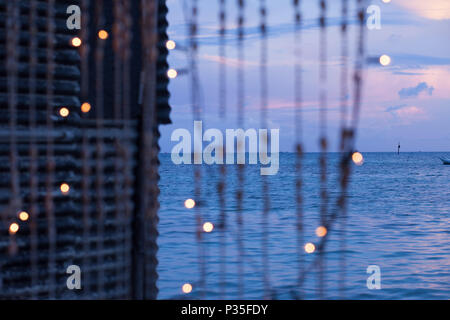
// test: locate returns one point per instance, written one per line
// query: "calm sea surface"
(399, 219)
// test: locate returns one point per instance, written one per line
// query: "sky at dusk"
(407, 102)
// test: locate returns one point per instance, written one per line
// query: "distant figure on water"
(398, 148)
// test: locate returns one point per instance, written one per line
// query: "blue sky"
(408, 101)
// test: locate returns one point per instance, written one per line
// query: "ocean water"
(398, 219)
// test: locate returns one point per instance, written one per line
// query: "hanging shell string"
(222, 182)
(99, 149)
(85, 153)
(241, 167)
(151, 205)
(119, 191)
(344, 110)
(13, 29)
(350, 133)
(299, 143)
(323, 137)
(34, 183)
(195, 88)
(49, 183)
(359, 69)
(264, 87)
(126, 51)
(222, 54)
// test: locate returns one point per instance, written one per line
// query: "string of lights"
(122, 163)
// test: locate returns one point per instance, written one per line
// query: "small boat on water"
(445, 161)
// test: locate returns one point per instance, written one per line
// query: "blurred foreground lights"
(170, 45)
(76, 42)
(358, 158)
(24, 216)
(321, 231)
(189, 203)
(208, 227)
(13, 228)
(64, 112)
(172, 73)
(310, 247)
(102, 34)
(85, 107)
(65, 188)
(386, 1)
(186, 288)
(385, 60)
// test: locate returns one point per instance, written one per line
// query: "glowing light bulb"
(310, 247)
(172, 73)
(170, 45)
(64, 112)
(65, 188)
(103, 34)
(385, 60)
(321, 231)
(24, 216)
(189, 203)
(208, 227)
(13, 228)
(186, 288)
(358, 158)
(76, 42)
(85, 107)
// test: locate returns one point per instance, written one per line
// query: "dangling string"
(85, 153)
(34, 183)
(222, 181)
(99, 149)
(298, 138)
(222, 64)
(126, 128)
(197, 169)
(344, 107)
(350, 133)
(119, 194)
(359, 68)
(241, 167)
(150, 185)
(323, 136)
(265, 186)
(13, 29)
(49, 183)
